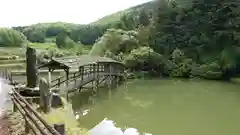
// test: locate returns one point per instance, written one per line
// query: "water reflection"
(107, 127)
(169, 107)
(84, 104)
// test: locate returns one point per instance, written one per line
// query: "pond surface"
(165, 107)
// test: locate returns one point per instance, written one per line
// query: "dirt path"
(5, 102)
(4, 126)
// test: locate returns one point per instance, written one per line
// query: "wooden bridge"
(88, 69)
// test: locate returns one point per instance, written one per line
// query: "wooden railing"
(33, 121)
(7, 75)
(94, 70)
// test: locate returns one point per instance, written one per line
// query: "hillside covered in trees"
(85, 34)
(200, 39)
(180, 38)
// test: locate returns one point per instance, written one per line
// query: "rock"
(60, 128)
(55, 90)
(56, 100)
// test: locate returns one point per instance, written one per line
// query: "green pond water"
(166, 107)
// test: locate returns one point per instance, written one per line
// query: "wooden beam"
(98, 78)
(67, 75)
(49, 76)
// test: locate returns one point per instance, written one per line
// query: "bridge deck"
(72, 86)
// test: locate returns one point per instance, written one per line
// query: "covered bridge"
(83, 63)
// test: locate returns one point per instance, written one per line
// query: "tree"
(144, 18)
(10, 38)
(55, 29)
(60, 39)
(64, 41)
(128, 22)
(36, 36)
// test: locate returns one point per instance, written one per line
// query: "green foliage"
(37, 37)
(144, 18)
(179, 38)
(63, 41)
(207, 71)
(11, 38)
(115, 41)
(42, 46)
(77, 49)
(143, 58)
(228, 59)
(199, 30)
(133, 11)
(56, 28)
(179, 65)
(59, 115)
(87, 34)
(35, 33)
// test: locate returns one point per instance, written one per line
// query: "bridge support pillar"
(110, 78)
(50, 75)
(98, 78)
(67, 75)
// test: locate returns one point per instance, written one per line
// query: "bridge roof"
(77, 61)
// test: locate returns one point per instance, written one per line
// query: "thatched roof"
(76, 61)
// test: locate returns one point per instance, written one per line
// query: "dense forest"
(182, 38)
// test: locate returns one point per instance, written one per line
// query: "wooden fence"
(33, 120)
(7, 75)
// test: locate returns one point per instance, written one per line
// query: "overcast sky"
(25, 12)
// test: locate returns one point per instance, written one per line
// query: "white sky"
(25, 12)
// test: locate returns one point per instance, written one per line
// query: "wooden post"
(74, 76)
(5, 74)
(82, 73)
(11, 77)
(94, 74)
(31, 70)
(98, 78)
(49, 76)
(109, 71)
(45, 96)
(67, 75)
(59, 82)
(81, 70)
(14, 107)
(60, 128)
(90, 70)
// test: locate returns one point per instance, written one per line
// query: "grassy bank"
(65, 115)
